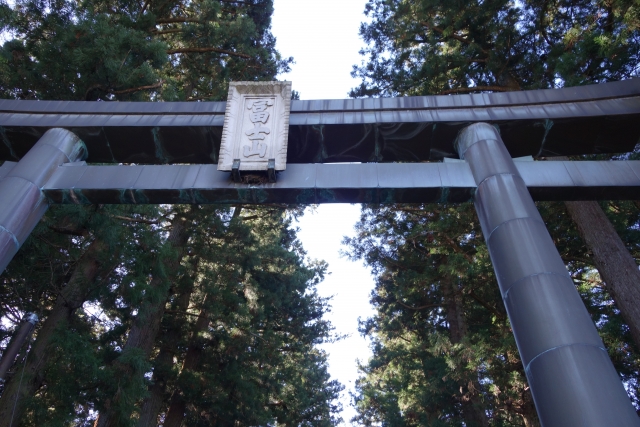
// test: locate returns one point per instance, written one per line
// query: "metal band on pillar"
(22, 203)
(572, 379)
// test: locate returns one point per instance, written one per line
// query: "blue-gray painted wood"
(365, 108)
(22, 202)
(578, 120)
(572, 380)
(334, 183)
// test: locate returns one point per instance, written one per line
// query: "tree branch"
(486, 305)
(568, 258)
(270, 205)
(453, 245)
(136, 89)
(173, 30)
(236, 212)
(82, 232)
(141, 220)
(185, 313)
(476, 88)
(453, 36)
(422, 307)
(207, 49)
(402, 338)
(121, 92)
(251, 217)
(144, 6)
(176, 20)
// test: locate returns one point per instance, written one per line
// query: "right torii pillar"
(572, 379)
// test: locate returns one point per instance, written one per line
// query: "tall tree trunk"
(528, 410)
(615, 264)
(473, 410)
(177, 405)
(144, 330)
(152, 405)
(617, 267)
(455, 313)
(72, 296)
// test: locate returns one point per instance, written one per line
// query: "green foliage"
(257, 363)
(433, 46)
(220, 320)
(427, 366)
(123, 50)
(443, 351)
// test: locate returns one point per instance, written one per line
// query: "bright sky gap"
(323, 39)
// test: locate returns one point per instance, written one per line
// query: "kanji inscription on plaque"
(256, 125)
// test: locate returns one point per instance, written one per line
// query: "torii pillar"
(22, 201)
(572, 379)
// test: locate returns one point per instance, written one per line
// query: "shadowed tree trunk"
(615, 264)
(152, 405)
(144, 330)
(72, 296)
(177, 405)
(529, 414)
(617, 267)
(472, 408)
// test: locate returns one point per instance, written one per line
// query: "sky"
(322, 36)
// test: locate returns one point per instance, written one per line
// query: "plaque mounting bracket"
(235, 171)
(255, 176)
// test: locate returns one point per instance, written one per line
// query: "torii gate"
(171, 150)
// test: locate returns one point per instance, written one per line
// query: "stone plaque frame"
(256, 126)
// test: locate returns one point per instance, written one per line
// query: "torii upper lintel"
(579, 120)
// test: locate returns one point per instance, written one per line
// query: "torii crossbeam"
(371, 151)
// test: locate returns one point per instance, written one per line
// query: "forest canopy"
(158, 315)
(443, 350)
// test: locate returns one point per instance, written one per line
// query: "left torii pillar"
(22, 202)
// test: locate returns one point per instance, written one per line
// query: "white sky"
(349, 284)
(322, 37)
